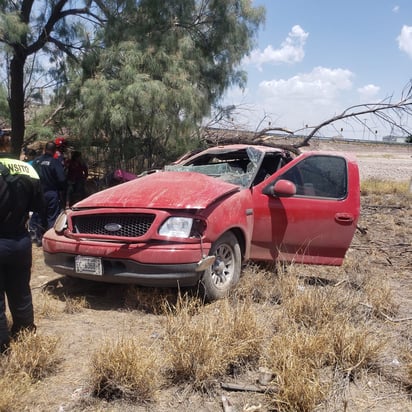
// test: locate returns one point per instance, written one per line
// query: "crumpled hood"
(162, 190)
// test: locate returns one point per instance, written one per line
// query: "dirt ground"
(81, 333)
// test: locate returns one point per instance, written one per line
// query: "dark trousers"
(53, 206)
(15, 271)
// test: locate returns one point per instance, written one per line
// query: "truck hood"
(162, 190)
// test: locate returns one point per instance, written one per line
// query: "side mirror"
(282, 188)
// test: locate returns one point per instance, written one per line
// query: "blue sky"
(315, 58)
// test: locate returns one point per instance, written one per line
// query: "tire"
(224, 274)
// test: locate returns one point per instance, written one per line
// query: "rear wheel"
(224, 274)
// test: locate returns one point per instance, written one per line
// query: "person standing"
(77, 173)
(20, 193)
(53, 181)
(60, 153)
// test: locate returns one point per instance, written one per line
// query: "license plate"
(89, 265)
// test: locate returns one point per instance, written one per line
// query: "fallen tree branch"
(395, 320)
(243, 387)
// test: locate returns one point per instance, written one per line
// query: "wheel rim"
(224, 266)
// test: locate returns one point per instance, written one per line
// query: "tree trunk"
(16, 101)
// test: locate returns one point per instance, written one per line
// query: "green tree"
(162, 68)
(4, 112)
(150, 75)
(29, 28)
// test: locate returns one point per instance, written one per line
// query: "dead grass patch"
(355, 347)
(75, 304)
(374, 292)
(125, 369)
(204, 344)
(32, 354)
(46, 306)
(313, 307)
(258, 284)
(13, 386)
(149, 300)
(379, 186)
(295, 358)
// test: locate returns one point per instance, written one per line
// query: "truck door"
(317, 224)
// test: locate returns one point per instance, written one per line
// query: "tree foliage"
(149, 70)
(163, 66)
(30, 28)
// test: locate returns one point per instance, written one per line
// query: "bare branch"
(385, 111)
(380, 110)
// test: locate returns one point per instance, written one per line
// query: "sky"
(315, 58)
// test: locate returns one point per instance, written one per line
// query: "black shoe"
(4, 347)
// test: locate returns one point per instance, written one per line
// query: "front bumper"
(127, 271)
(156, 265)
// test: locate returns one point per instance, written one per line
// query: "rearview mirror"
(282, 188)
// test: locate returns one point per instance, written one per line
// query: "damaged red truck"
(197, 221)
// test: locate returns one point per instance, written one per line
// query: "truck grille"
(129, 225)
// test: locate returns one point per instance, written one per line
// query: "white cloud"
(306, 98)
(291, 50)
(368, 92)
(396, 9)
(405, 40)
(320, 85)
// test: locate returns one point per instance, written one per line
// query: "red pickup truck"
(195, 222)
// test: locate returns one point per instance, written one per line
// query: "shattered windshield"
(238, 167)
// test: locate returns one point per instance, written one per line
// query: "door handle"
(345, 218)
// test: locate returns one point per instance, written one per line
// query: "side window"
(319, 176)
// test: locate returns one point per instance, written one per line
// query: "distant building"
(394, 139)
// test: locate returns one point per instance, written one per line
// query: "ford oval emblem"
(112, 227)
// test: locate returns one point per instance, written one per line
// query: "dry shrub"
(354, 347)
(32, 354)
(46, 306)
(294, 357)
(75, 305)
(375, 291)
(313, 307)
(204, 342)
(149, 300)
(256, 283)
(267, 283)
(13, 386)
(409, 369)
(379, 186)
(380, 297)
(292, 342)
(125, 369)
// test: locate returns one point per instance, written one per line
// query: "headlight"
(61, 223)
(176, 227)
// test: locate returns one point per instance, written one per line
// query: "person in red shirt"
(77, 173)
(61, 146)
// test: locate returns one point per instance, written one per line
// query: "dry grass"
(32, 354)
(354, 347)
(409, 369)
(13, 387)
(126, 369)
(46, 306)
(318, 328)
(322, 332)
(29, 359)
(375, 186)
(75, 304)
(203, 343)
(149, 300)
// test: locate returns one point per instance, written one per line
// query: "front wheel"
(224, 274)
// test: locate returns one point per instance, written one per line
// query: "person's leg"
(4, 331)
(53, 207)
(5, 249)
(18, 287)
